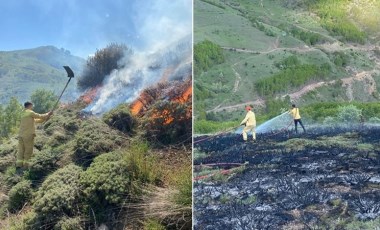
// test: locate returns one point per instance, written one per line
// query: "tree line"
(290, 77)
(10, 114)
(207, 54)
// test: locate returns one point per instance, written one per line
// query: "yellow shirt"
(295, 112)
(28, 118)
(250, 119)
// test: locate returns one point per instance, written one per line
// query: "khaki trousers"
(25, 151)
(247, 129)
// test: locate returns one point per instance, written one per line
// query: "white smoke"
(143, 70)
(165, 52)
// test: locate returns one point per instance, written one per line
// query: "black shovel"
(70, 74)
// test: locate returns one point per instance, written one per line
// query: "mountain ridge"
(23, 71)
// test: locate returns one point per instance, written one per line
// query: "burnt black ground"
(311, 185)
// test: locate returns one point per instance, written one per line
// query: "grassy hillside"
(257, 39)
(24, 71)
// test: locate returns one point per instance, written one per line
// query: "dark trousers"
(298, 121)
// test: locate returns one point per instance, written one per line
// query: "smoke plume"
(164, 54)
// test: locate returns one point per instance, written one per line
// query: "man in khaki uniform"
(27, 133)
(295, 112)
(250, 124)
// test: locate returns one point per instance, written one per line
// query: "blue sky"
(83, 26)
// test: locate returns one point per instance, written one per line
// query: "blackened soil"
(313, 184)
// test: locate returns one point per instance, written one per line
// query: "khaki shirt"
(295, 112)
(28, 118)
(250, 119)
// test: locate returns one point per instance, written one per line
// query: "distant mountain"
(23, 71)
(301, 51)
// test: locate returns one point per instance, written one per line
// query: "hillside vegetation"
(282, 52)
(81, 179)
(24, 71)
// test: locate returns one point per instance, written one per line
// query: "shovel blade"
(70, 73)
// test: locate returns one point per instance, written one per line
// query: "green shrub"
(349, 114)
(8, 147)
(10, 176)
(203, 126)
(361, 225)
(94, 138)
(207, 54)
(374, 120)
(121, 118)
(43, 163)
(142, 167)
(59, 195)
(65, 120)
(329, 121)
(151, 224)
(75, 223)
(107, 180)
(19, 195)
(6, 161)
(71, 125)
(23, 222)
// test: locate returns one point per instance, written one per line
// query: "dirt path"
(306, 89)
(365, 77)
(237, 81)
(244, 50)
(348, 83)
(259, 102)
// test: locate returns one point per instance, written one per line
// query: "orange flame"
(180, 93)
(165, 114)
(185, 96)
(136, 107)
(90, 95)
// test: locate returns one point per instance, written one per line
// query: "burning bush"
(166, 112)
(168, 122)
(147, 98)
(102, 64)
(121, 118)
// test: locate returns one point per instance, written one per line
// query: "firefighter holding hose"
(27, 133)
(250, 124)
(295, 112)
